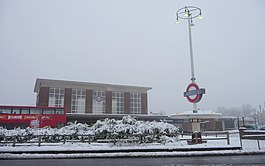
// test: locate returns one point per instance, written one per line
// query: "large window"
(35, 111)
(48, 111)
(99, 102)
(24, 110)
(135, 103)
(78, 101)
(5, 110)
(56, 97)
(117, 102)
(16, 111)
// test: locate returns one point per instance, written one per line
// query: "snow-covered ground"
(249, 147)
(182, 144)
(127, 125)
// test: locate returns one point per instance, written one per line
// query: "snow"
(127, 125)
(130, 154)
(201, 114)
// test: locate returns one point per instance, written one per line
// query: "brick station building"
(92, 98)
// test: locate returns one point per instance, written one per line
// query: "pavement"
(122, 150)
(126, 153)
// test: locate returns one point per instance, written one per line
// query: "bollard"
(241, 134)
(14, 141)
(39, 142)
(195, 138)
(258, 143)
(114, 139)
(141, 138)
(228, 139)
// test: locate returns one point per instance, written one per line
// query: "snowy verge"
(70, 146)
(81, 150)
(131, 154)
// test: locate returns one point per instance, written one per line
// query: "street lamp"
(190, 13)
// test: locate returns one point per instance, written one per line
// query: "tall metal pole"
(189, 13)
(191, 59)
(191, 51)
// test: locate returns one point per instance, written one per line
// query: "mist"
(135, 43)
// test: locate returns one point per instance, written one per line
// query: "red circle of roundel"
(197, 97)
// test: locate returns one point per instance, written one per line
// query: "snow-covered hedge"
(129, 125)
(101, 129)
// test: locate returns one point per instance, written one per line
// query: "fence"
(105, 138)
(210, 135)
(252, 135)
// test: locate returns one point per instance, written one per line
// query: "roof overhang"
(202, 115)
(87, 85)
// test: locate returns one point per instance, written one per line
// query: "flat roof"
(40, 82)
(202, 114)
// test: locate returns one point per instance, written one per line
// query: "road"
(170, 161)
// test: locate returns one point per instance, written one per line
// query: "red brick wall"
(68, 99)
(144, 103)
(218, 125)
(108, 102)
(126, 103)
(43, 96)
(187, 126)
(89, 101)
(43, 100)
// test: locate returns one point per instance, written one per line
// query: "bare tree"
(244, 110)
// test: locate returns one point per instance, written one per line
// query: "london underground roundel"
(194, 93)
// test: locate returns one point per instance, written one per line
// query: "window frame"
(99, 106)
(78, 101)
(118, 105)
(56, 97)
(135, 103)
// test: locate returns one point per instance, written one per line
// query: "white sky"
(135, 42)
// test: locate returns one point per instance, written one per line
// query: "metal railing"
(251, 135)
(106, 138)
(210, 135)
(103, 138)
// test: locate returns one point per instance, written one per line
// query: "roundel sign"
(98, 98)
(194, 93)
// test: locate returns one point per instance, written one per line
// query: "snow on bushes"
(125, 127)
(129, 125)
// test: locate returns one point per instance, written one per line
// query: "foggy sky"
(135, 42)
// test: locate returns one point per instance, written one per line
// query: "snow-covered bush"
(165, 139)
(126, 128)
(129, 125)
(75, 129)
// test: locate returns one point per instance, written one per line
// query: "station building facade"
(92, 98)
